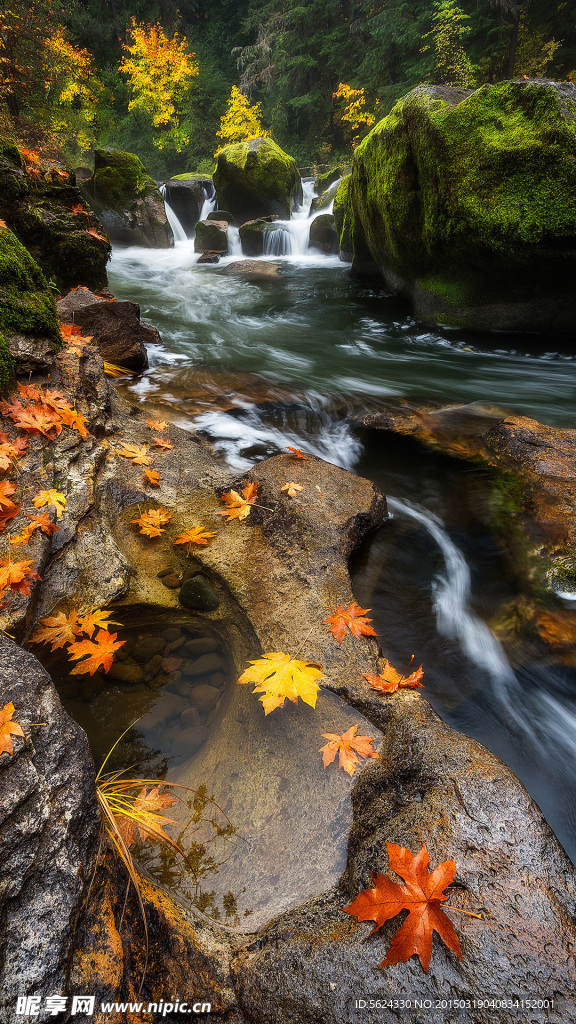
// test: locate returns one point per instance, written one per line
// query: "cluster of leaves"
(355, 112)
(42, 411)
(241, 121)
(139, 454)
(63, 630)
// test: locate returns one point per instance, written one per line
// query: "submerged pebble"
(197, 593)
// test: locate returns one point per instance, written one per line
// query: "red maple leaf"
(421, 896)
(351, 618)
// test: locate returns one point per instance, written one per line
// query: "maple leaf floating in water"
(8, 729)
(292, 488)
(389, 680)
(152, 523)
(196, 535)
(51, 497)
(238, 506)
(100, 653)
(351, 618)
(57, 630)
(348, 746)
(143, 816)
(421, 896)
(277, 676)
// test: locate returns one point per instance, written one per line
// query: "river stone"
(124, 673)
(256, 270)
(152, 667)
(189, 740)
(190, 717)
(201, 645)
(186, 194)
(171, 580)
(192, 570)
(221, 215)
(209, 257)
(256, 178)
(211, 236)
(115, 327)
(146, 647)
(252, 235)
(168, 706)
(323, 234)
(204, 697)
(217, 679)
(173, 632)
(197, 593)
(127, 200)
(204, 665)
(171, 664)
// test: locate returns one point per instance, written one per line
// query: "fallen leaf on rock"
(277, 677)
(137, 453)
(51, 497)
(6, 488)
(196, 535)
(75, 420)
(351, 618)
(8, 729)
(100, 653)
(389, 680)
(159, 442)
(17, 576)
(96, 234)
(153, 521)
(157, 425)
(152, 476)
(421, 895)
(292, 488)
(298, 453)
(238, 506)
(348, 746)
(44, 523)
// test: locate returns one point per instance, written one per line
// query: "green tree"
(450, 25)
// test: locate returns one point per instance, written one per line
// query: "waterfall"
(277, 240)
(209, 201)
(291, 237)
(177, 229)
(234, 243)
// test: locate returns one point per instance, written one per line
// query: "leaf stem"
(469, 913)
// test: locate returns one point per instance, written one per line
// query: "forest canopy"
(177, 81)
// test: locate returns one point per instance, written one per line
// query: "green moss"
(27, 305)
(119, 179)
(6, 362)
(344, 216)
(478, 187)
(323, 181)
(256, 178)
(191, 176)
(450, 292)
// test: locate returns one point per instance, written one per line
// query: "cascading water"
(177, 229)
(291, 237)
(209, 201)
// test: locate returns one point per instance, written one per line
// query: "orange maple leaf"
(44, 523)
(292, 488)
(351, 618)
(152, 476)
(159, 442)
(194, 536)
(69, 330)
(100, 653)
(96, 234)
(74, 419)
(298, 453)
(17, 576)
(157, 425)
(6, 514)
(137, 453)
(57, 630)
(6, 488)
(10, 450)
(8, 729)
(389, 680)
(144, 818)
(421, 896)
(238, 507)
(348, 746)
(97, 618)
(153, 521)
(50, 497)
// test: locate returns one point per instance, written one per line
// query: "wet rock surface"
(211, 237)
(127, 200)
(114, 326)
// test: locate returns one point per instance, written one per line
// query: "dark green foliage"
(6, 362)
(27, 305)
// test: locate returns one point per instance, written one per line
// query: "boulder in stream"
(343, 219)
(186, 194)
(257, 178)
(252, 235)
(115, 326)
(211, 236)
(29, 332)
(127, 200)
(466, 203)
(323, 234)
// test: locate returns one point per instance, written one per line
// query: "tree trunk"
(13, 106)
(513, 46)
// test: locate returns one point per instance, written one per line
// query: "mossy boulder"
(466, 202)
(327, 178)
(28, 322)
(127, 200)
(211, 236)
(343, 218)
(40, 202)
(186, 194)
(252, 235)
(323, 234)
(257, 178)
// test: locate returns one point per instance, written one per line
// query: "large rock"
(186, 194)
(252, 235)
(343, 218)
(323, 181)
(39, 201)
(29, 332)
(115, 326)
(211, 236)
(323, 234)
(256, 178)
(49, 832)
(466, 202)
(128, 201)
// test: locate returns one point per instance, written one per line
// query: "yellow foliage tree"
(241, 121)
(355, 110)
(159, 71)
(72, 90)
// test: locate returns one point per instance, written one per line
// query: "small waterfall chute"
(234, 243)
(277, 240)
(209, 201)
(177, 229)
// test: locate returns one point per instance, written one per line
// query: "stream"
(260, 365)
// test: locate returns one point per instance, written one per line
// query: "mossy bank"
(466, 202)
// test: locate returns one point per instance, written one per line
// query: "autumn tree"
(450, 25)
(24, 28)
(160, 71)
(241, 121)
(355, 112)
(71, 90)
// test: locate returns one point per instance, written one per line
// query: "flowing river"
(260, 365)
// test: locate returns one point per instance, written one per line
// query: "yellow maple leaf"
(277, 676)
(57, 630)
(292, 488)
(51, 497)
(196, 535)
(97, 618)
(136, 453)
